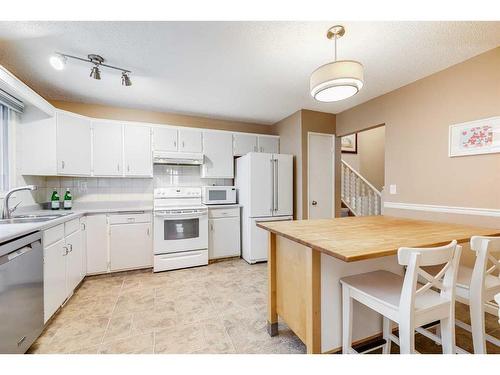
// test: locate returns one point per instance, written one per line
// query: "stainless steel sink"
(37, 218)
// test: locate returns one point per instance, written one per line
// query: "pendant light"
(337, 80)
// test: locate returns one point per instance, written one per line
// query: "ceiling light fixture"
(337, 80)
(58, 62)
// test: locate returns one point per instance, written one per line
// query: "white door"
(261, 172)
(218, 155)
(107, 150)
(269, 144)
(97, 244)
(283, 185)
(54, 277)
(320, 167)
(223, 237)
(73, 144)
(190, 140)
(244, 143)
(165, 139)
(130, 246)
(73, 261)
(137, 151)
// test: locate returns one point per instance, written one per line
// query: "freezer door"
(261, 184)
(259, 240)
(283, 185)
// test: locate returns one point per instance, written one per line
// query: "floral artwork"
(349, 144)
(475, 137)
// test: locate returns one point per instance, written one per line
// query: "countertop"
(11, 231)
(357, 238)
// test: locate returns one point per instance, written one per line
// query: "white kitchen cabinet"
(107, 149)
(190, 140)
(244, 143)
(130, 241)
(83, 224)
(73, 261)
(97, 243)
(218, 155)
(224, 232)
(164, 139)
(137, 151)
(54, 277)
(73, 144)
(269, 144)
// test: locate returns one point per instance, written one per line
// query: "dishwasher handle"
(17, 253)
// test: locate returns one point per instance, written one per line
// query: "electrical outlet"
(393, 189)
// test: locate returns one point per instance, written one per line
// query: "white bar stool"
(402, 300)
(477, 287)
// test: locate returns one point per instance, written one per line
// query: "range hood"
(178, 158)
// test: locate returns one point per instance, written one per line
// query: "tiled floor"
(216, 309)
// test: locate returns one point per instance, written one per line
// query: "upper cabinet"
(138, 160)
(218, 154)
(269, 144)
(107, 150)
(164, 139)
(72, 144)
(190, 140)
(244, 143)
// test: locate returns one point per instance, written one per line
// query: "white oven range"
(180, 228)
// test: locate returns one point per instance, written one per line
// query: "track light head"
(95, 72)
(126, 79)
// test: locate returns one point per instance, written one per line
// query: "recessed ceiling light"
(337, 80)
(58, 61)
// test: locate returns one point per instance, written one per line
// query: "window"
(4, 148)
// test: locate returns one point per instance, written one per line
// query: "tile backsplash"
(98, 189)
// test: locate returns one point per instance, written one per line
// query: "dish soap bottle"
(54, 200)
(68, 200)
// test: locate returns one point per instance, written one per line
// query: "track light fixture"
(58, 61)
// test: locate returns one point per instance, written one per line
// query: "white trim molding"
(491, 212)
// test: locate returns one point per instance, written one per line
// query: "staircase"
(357, 194)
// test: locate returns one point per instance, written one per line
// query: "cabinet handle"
(128, 168)
(182, 144)
(84, 226)
(70, 247)
(147, 232)
(212, 227)
(62, 164)
(175, 144)
(65, 251)
(118, 167)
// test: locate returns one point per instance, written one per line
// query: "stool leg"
(346, 320)
(387, 335)
(406, 337)
(477, 325)
(448, 335)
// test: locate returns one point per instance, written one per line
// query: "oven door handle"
(184, 215)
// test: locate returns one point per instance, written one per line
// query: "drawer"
(52, 235)
(129, 218)
(71, 226)
(174, 261)
(214, 213)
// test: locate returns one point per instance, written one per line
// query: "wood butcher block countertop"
(357, 238)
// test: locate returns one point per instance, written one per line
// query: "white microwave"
(218, 195)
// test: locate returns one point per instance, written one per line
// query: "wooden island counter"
(307, 258)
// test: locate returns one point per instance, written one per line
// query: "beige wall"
(417, 119)
(128, 114)
(370, 159)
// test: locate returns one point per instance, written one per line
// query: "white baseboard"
(491, 212)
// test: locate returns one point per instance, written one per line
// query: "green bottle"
(67, 200)
(54, 200)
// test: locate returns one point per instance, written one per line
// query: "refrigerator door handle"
(271, 209)
(276, 185)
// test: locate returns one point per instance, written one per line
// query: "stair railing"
(361, 197)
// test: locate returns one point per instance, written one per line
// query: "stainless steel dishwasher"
(21, 293)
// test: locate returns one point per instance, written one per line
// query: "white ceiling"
(250, 71)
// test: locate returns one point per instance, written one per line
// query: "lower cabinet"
(54, 277)
(130, 246)
(223, 232)
(97, 243)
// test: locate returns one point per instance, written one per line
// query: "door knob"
(314, 203)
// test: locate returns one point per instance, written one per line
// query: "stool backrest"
(486, 248)
(444, 280)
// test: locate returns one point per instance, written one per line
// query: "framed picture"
(475, 137)
(349, 144)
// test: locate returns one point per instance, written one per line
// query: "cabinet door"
(165, 139)
(83, 224)
(107, 150)
(190, 140)
(244, 143)
(130, 246)
(73, 261)
(137, 151)
(54, 277)
(283, 185)
(97, 244)
(218, 152)
(224, 238)
(73, 144)
(269, 144)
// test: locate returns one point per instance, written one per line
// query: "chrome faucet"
(8, 211)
